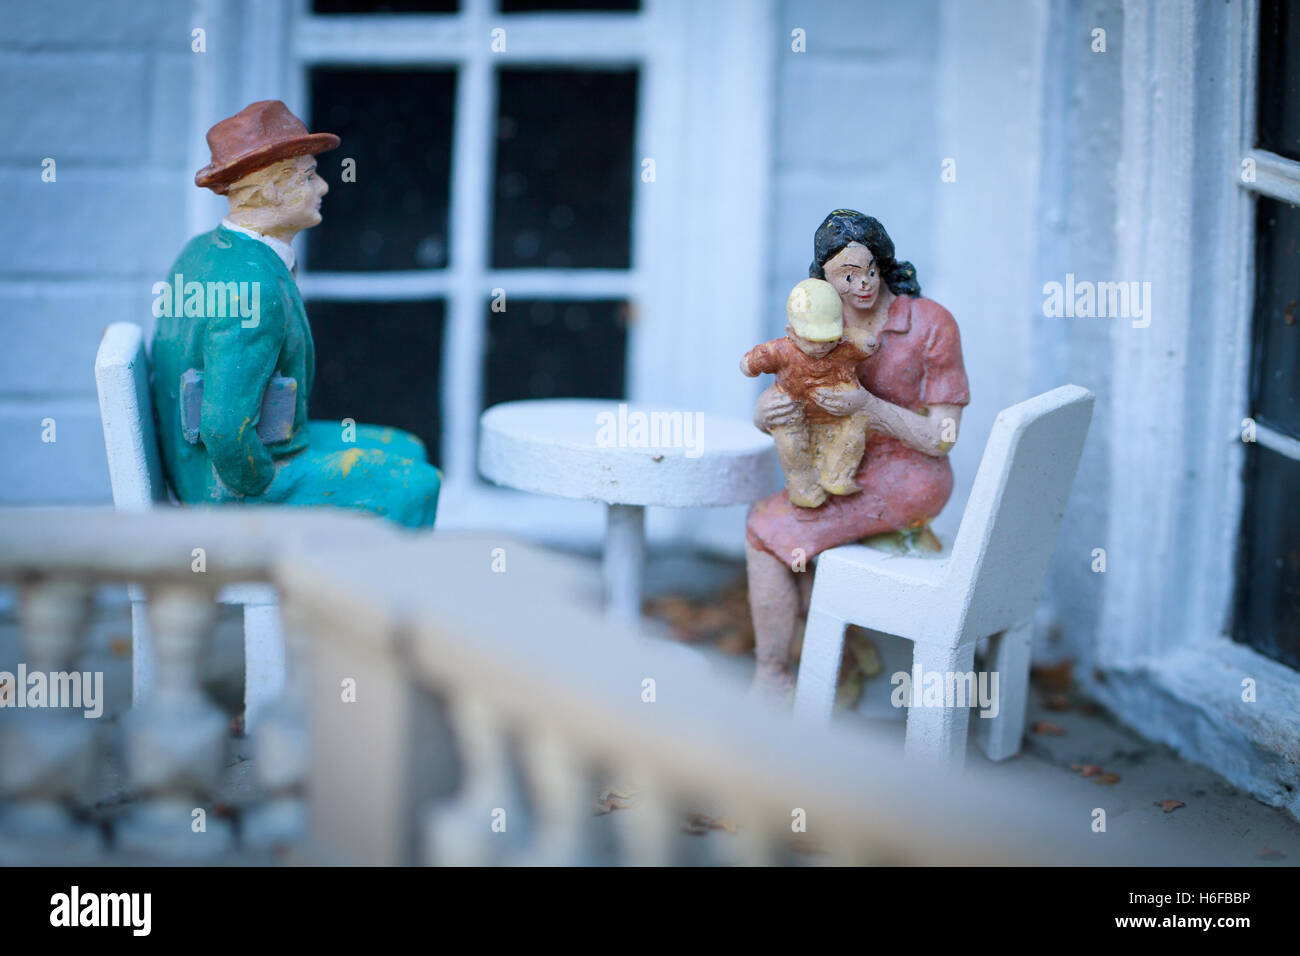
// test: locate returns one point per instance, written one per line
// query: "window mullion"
(471, 171)
(1274, 176)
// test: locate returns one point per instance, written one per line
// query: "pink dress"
(918, 365)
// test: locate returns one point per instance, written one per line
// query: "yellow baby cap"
(814, 311)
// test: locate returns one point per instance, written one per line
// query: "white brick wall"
(870, 143)
(102, 88)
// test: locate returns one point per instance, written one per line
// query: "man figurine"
(233, 360)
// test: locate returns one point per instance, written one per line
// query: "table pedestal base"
(624, 560)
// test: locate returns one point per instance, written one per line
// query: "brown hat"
(260, 134)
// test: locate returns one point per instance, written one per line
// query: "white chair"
(987, 585)
(135, 471)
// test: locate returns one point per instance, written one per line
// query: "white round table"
(627, 456)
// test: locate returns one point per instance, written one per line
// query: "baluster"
(652, 828)
(748, 846)
(467, 831)
(281, 750)
(49, 752)
(175, 741)
(561, 788)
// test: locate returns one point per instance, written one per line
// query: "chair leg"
(937, 734)
(819, 665)
(264, 660)
(142, 659)
(1000, 736)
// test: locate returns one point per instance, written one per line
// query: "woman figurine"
(913, 390)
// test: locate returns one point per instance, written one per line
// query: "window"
(567, 160)
(480, 249)
(1268, 571)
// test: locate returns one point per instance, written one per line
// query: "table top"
(626, 453)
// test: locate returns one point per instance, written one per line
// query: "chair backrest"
(126, 410)
(1008, 531)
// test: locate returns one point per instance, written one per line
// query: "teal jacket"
(237, 355)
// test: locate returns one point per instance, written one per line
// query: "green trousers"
(385, 471)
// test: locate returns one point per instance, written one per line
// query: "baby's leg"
(843, 442)
(802, 481)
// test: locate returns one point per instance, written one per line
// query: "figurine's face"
(281, 200)
(299, 195)
(809, 347)
(853, 273)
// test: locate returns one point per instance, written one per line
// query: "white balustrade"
(544, 697)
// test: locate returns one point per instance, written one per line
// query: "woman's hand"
(775, 408)
(840, 402)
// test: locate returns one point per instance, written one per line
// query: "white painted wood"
(938, 734)
(999, 736)
(624, 560)
(441, 39)
(1275, 176)
(1183, 213)
(264, 661)
(473, 162)
(551, 447)
(987, 583)
(993, 66)
(1278, 442)
(819, 661)
(359, 589)
(135, 470)
(126, 409)
(561, 447)
(435, 283)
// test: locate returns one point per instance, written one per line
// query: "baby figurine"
(821, 452)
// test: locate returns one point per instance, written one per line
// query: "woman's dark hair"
(843, 226)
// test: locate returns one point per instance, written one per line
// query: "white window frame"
(1182, 390)
(704, 105)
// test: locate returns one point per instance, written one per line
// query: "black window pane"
(532, 6)
(1275, 355)
(564, 171)
(385, 6)
(1268, 574)
(1279, 77)
(378, 363)
(396, 125)
(549, 349)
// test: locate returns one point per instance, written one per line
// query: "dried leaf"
(1057, 702)
(1047, 727)
(1087, 769)
(120, 647)
(802, 843)
(1108, 779)
(619, 792)
(1053, 678)
(1270, 854)
(696, 824)
(603, 807)
(1169, 806)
